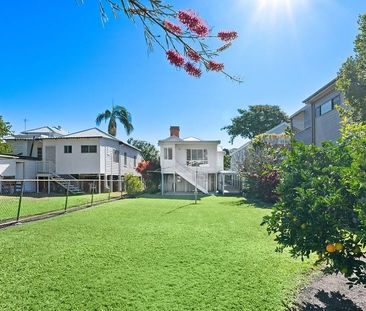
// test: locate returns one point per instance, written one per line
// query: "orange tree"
(322, 207)
(185, 37)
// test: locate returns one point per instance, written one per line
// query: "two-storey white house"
(190, 162)
(87, 154)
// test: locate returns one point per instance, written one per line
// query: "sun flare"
(274, 10)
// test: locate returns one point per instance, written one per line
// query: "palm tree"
(117, 113)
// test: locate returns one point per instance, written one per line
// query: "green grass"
(39, 205)
(148, 254)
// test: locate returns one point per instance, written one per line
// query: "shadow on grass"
(245, 202)
(178, 208)
(187, 197)
(332, 301)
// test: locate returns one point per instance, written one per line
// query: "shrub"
(322, 207)
(134, 185)
(151, 179)
(260, 167)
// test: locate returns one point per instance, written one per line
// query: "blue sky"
(60, 66)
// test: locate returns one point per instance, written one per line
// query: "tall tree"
(258, 119)
(5, 129)
(352, 76)
(118, 113)
(182, 34)
(148, 150)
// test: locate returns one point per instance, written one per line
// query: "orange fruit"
(338, 246)
(330, 248)
(303, 226)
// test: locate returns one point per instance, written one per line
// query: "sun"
(269, 13)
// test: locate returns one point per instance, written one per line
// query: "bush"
(134, 185)
(151, 177)
(260, 167)
(322, 207)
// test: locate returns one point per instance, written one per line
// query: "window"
(336, 101)
(168, 153)
(125, 159)
(88, 149)
(39, 153)
(134, 161)
(116, 156)
(196, 157)
(328, 106)
(67, 149)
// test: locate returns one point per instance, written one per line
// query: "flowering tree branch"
(182, 34)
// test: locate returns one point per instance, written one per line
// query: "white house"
(87, 154)
(190, 162)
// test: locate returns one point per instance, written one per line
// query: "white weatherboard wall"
(24, 147)
(215, 158)
(107, 163)
(101, 162)
(75, 162)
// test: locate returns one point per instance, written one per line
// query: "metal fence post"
(92, 193)
(109, 194)
(67, 195)
(20, 200)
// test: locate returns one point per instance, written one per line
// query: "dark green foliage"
(148, 151)
(260, 167)
(352, 76)
(323, 202)
(134, 185)
(5, 129)
(256, 120)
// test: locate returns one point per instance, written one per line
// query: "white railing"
(46, 167)
(193, 176)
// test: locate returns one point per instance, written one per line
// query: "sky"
(60, 66)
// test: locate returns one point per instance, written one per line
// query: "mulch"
(331, 293)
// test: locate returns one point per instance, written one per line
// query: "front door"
(50, 158)
(19, 170)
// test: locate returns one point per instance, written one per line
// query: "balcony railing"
(46, 167)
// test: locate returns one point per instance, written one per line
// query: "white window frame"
(168, 153)
(196, 157)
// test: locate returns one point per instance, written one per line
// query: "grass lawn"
(148, 254)
(39, 205)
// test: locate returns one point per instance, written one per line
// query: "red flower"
(214, 66)
(227, 36)
(143, 166)
(192, 70)
(193, 22)
(193, 55)
(172, 27)
(175, 58)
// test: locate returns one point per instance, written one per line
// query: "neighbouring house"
(17, 167)
(238, 155)
(192, 162)
(319, 120)
(87, 154)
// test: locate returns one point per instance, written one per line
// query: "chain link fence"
(20, 199)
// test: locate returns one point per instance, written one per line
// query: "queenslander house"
(50, 153)
(191, 163)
